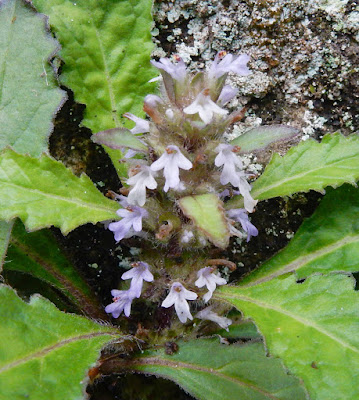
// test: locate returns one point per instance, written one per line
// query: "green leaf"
(42, 192)
(106, 47)
(117, 138)
(326, 242)
(209, 370)
(206, 212)
(5, 233)
(261, 137)
(312, 326)
(44, 352)
(38, 254)
(309, 166)
(29, 96)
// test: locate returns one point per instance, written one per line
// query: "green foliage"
(5, 232)
(37, 254)
(263, 136)
(209, 370)
(309, 166)
(313, 326)
(326, 242)
(28, 93)
(44, 352)
(207, 213)
(42, 192)
(106, 47)
(117, 138)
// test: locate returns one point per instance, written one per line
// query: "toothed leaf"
(309, 166)
(45, 353)
(237, 371)
(29, 96)
(106, 48)
(312, 326)
(42, 192)
(326, 242)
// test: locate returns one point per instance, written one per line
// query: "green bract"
(261, 137)
(45, 353)
(313, 326)
(42, 192)
(28, 94)
(209, 370)
(106, 49)
(207, 213)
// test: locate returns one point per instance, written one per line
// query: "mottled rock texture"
(304, 56)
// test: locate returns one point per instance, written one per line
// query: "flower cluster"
(180, 152)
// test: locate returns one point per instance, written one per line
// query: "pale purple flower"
(205, 107)
(240, 215)
(229, 63)
(232, 173)
(231, 164)
(227, 94)
(140, 272)
(171, 161)
(178, 297)
(208, 314)
(177, 71)
(142, 126)
(142, 180)
(122, 300)
(130, 224)
(244, 189)
(207, 278)
(152, 100)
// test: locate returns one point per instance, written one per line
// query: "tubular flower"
(122, 300)
(171, 161)
(142, 180)
(232, 173)
(139, 273)
(229, 63)
(208, 314)
(240, 215)
(178, 297)
(177, 71)
(205, 107)
(207, 278)
(227, 94)
(142, 126)
(231, 163)
(130, 223)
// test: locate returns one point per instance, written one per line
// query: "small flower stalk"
(181, 173)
